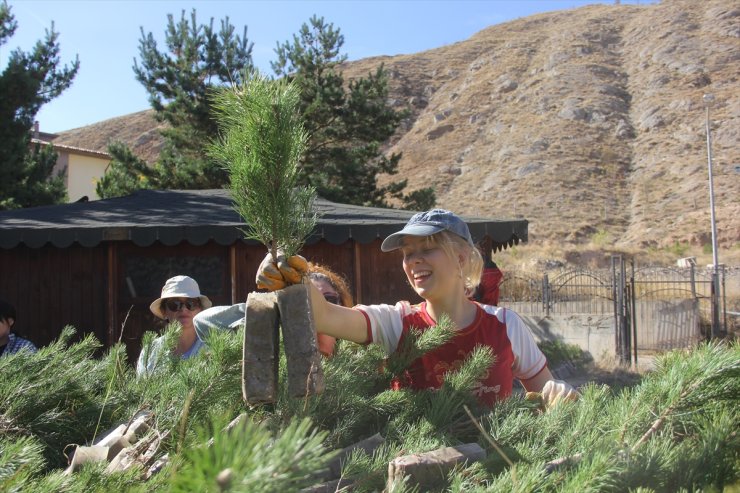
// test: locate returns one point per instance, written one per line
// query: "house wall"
(83, 172)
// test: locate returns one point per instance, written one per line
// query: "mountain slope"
(588, 122)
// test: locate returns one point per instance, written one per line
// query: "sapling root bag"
(305, 376)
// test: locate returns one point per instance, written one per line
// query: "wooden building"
(97, 265)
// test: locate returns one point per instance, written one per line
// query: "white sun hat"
(179, 287)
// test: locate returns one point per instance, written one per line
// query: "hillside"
(587, 122)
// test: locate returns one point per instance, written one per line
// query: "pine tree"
(29, 81)
(125, 174)
(676, 430)
(179, 80)
(347, 124)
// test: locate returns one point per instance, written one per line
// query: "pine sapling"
(261, 144)
(262, 141)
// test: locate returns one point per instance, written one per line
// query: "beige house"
(82, 152)
(81, 168)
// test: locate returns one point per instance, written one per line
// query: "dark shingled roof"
(198, 216)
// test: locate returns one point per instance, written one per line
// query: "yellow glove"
(273, 275)
(555, 391)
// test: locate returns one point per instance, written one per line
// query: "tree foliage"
(28, 82)
(262, 141)
(347, 123)
(196, 59)
(673, 431)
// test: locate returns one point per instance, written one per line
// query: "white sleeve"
(528, 359)
(150, 356)
(385, 323)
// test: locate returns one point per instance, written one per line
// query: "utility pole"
(708, 101)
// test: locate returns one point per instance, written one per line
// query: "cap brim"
(395, 240)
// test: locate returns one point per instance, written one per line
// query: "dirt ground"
(613, 375)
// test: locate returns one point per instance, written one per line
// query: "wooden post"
(357, 267)
(232, 272)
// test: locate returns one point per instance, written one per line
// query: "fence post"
(633, 305)
(716, 329)
(724, 302)
(625, 321)
(622, 335)
(546, 294)
(615, 298)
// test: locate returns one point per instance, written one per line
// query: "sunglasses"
(332, 298)
(177, 305)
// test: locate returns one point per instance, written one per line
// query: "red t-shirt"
(516, 353)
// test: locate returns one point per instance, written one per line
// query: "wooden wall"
(52, 287)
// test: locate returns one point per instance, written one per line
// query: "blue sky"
(105, 35)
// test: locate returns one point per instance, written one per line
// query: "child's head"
(446, 230)
(319, 274)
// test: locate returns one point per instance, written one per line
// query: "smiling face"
(431, 271)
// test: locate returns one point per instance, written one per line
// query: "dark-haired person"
(9, 342)
(180, 301)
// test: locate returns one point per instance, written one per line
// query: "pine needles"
(261, 145)
(607, 441)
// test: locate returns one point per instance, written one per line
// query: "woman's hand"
(273, 275)
(556, 391)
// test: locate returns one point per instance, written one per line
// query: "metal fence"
(653, 307)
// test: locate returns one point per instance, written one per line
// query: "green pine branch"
(261, 145)
(63, 394)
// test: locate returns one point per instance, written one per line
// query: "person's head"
(180, 301)
(438, 253)
(7, 319)
(330, 284)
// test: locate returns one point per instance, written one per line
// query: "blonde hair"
(452, 244)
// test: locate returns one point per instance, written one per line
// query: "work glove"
(273, 275)
(556, 391)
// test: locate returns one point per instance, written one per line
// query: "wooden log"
(132, 456)
(83, 455)
(156, 467)
(260, 352)
(305, 376)
(429, 469)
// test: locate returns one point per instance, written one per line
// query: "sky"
(105, 35)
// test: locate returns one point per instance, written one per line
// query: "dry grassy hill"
(588, 122)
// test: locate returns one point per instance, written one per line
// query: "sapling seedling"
(261, 143)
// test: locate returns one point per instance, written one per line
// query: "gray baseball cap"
(426, 224)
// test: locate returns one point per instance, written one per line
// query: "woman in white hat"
(180, 302)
